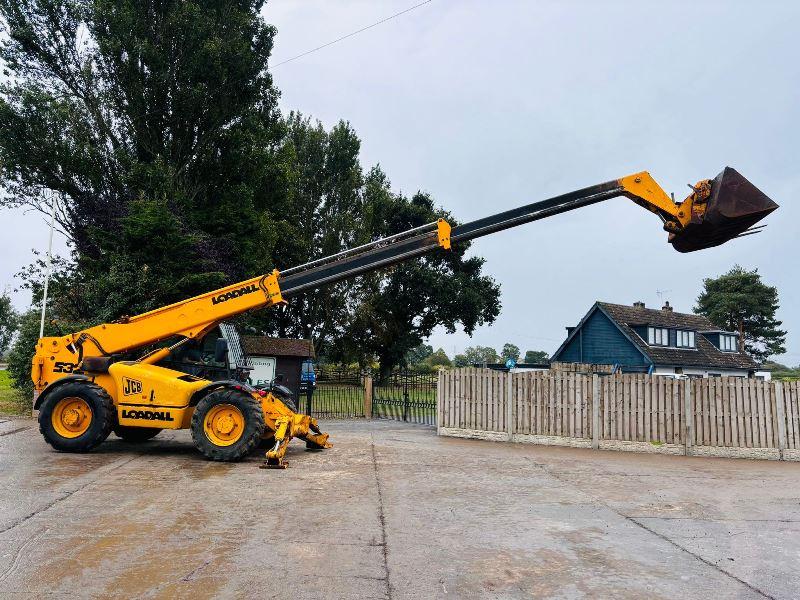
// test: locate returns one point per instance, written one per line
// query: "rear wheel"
(136, 434)
(76, 416)
(227, 424)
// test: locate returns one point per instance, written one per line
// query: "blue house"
(662, 342)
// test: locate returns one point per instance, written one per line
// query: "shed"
(273, 357)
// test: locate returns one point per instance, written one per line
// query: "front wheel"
(76, 416)
(227, 424)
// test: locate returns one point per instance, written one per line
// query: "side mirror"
(221, 350)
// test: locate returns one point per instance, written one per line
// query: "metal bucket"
(734, 206)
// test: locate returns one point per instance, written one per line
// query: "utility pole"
(49, 261)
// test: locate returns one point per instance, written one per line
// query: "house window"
(727, 343)
(657, 336)
(685, 339)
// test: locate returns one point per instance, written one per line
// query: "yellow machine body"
(151, 396)
(146, 395)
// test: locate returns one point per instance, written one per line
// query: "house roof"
(705, 355)
(269, 346)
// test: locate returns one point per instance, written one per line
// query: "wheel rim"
(71, 417)
(224, 425)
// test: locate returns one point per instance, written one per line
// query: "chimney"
(638, 304)
(666, 307)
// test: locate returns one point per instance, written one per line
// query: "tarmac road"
(392, 511)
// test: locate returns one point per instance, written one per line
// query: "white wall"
(705, 372)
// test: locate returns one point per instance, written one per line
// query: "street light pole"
(49, 261)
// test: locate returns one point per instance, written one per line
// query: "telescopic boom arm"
(715, 212)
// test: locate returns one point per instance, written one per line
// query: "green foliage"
(781, 371)
(509, 351)
(476, 355)
(8, 323)
(331, 205)
(157, 128)
(13, 401)
(432, 362)
(418, 354)
(438, 359)
(536, 357)
(739, 300)
(154, 125)
(19, 357)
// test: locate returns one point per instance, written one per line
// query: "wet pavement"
(392, 511)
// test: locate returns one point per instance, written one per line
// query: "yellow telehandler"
(91, 382)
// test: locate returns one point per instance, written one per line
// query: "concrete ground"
(392, 511)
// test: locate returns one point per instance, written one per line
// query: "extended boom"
(86, 385)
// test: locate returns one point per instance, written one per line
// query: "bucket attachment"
(733, 206)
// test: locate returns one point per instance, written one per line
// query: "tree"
(438, 359)
(476, 355)
(19, 356)
(154, 124)
(330, 206)
(418, 354)
(740, 301)
(536, 356)
(8, 323)
(510, 351)
(157, 127)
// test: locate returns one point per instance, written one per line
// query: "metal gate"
(406, 396)
(339, 394)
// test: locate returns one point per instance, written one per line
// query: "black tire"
(266, 443)
(136, 434)
(104, 416)
(286, 399)
(250, 409)
(289, 402)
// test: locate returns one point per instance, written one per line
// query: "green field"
(12, 400)
(333, 400)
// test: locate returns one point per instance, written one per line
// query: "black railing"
(406, 396)
(339, 394)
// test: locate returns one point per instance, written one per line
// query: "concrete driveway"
(392, 511)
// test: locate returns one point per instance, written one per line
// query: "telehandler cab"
(101, 379)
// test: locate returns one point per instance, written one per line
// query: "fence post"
(780, 414)
(595, 411)
(509, 405)
(404, 375)
(439, 411)
(367, 396)
(688, 418)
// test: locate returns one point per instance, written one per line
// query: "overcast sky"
(490, 105)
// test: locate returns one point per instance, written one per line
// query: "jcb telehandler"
(101, 379)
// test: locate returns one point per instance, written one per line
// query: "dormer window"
(684, 339)
(658, 336)
(727, 343)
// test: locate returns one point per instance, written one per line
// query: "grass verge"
(13, 401)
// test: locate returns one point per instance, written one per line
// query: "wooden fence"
(718, 416)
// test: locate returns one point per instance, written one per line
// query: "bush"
(22, 350)
(13, 401)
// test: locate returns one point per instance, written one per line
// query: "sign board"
(263, 370)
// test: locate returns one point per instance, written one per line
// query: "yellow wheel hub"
(71, 417)
(224, 425)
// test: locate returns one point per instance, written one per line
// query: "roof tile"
(705, 355)
(269, 346)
